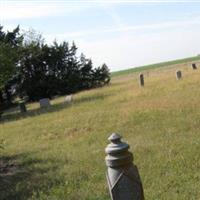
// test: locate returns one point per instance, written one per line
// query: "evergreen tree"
(38, 70)
(10, 45)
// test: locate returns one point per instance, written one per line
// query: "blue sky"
(122, 34)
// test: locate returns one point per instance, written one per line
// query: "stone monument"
(141, 79)
(194, 66)
(68, 98)
(122, 176)
(22, 107)
(44, 103)
(178, 75)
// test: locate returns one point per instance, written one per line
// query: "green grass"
(58, 153)
(155, 66)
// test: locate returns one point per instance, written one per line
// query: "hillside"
(58, 153)
(155, 66)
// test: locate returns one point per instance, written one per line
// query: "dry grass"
(59, 152)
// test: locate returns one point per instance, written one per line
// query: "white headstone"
(44, 103)
(68, 98)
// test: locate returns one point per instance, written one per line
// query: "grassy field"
(155, 66)
(58, 153)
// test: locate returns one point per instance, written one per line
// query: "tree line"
(32, 69)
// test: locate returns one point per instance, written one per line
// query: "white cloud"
(36, 9)
(21, 9)
(122, 28)
(138, 45)
(142, 44)
(125, 52)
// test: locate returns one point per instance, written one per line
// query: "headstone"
(141, 76)
(22, 107)
(44, 103)
(68, 98)
(194, 66)
(178, 75)
(122, 176)
(1, 114)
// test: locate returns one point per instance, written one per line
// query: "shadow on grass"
(13, 116)
(22, 176)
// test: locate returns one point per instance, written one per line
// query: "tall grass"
(58, 153)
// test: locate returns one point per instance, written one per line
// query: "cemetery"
(62, 151)
(99, 100)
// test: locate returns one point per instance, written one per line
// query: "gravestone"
(68, 98)
(1, 114)
(141, 76)
(44, 103)
(178, 75)
(194, 66)
(122, 175)
(22, 107)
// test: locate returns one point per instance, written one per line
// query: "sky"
(121, 33)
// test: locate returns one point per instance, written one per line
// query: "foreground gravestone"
(141, 81)
(194, 66)
(122, 176)
(68, 98)
(44, 103)
(178, 75)
(22, 107)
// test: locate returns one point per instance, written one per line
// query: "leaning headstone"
(194, 66)
(68, 98)
(178, 75)
(122, 175)
(44, 103)
(22, 107)
(141, 81)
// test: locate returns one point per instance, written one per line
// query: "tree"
(86, 70)
(44, 70)
(101, 76)
(10, 43)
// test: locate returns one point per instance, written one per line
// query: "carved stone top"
(117, 151)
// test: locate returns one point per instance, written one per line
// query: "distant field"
(58, 153)
(154, 66)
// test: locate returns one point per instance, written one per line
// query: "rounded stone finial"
(117, 152)
(115, 137)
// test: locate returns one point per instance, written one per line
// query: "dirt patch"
(8, 168)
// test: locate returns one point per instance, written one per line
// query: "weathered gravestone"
(178, 75)
(122, 176)
(44, 103)
(141, 79)
(68, 98)
(194, 66)
(22, 107)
